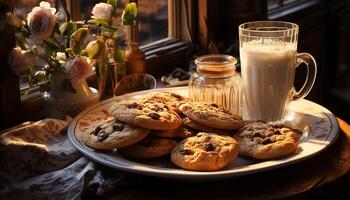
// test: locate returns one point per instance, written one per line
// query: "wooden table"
(323, 176)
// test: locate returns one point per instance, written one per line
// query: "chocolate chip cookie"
(211, 115)
(149, 148)
(171, 99)
(266, 141)
(205, 152)
(150, 115)
(180, 132)
(114, 135)
(186, 122)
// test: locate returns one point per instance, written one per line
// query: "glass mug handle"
(311, 66)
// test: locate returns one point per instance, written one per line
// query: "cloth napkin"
(37, 161)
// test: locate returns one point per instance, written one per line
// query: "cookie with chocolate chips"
(114, 134)
(186, 122)
(261, 140)
(205, 152)
(150, 115)
(211, 115)
(148, 148)
(171, 99)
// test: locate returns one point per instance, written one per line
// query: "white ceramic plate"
(318, 124)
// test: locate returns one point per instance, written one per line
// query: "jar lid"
(216, 64)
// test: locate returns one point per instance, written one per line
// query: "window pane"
(153, 20)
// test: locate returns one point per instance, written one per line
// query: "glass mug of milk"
(269, 57)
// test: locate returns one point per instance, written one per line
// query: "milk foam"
(268, 69)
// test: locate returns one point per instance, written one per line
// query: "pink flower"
(41, 21)
(80, 67)
(20, 60)
(102, 11)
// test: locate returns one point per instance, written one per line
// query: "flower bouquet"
(67, 53)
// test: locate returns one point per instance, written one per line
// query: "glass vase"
(68, 96)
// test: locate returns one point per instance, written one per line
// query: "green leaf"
(51, 48)
(109, 28)
(44, 87)
(104, 24)
(98, 21)
(67, 28)
(92, 49)
(129, 14)
(113, 3)
(77, 39)
(119, 56)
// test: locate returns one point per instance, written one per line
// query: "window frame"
(289, 8)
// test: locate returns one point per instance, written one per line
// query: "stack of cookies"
(198, 136)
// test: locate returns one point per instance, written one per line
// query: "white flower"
(102, 11)
(41, 21)
(61, 56)
(20, 60)
(80, 67)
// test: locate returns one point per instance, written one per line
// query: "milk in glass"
(268, 68)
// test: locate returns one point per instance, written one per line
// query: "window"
(153, 18)
(272, 4)
(159, 29)
(277, 9)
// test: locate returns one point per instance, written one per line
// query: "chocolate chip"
(118, 127)
(176, 96)
(166, 107)
(208, 147)
(214, 105)
(278, 126)
(133, 105)
(277, 132)
(139, 107)
(267, 141)
(257, 134)
(102, 136)
(97, 129)
(186, 152)
(154, 116)
(158, 109)
(297, 131)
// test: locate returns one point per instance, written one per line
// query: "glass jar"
(216, 81)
